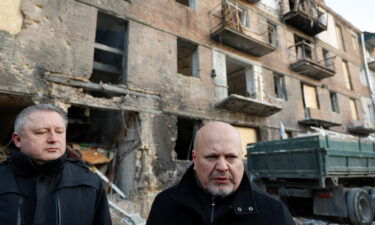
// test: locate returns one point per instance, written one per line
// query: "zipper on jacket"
(212, 209)
(58, 210)
(19, 213)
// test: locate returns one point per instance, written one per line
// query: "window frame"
(340, 37)
(195, 58)
(279, 86)
(192, 4)
(353, 109)
(120, 70)
(347, 76)
(334, 102)
(316, 104)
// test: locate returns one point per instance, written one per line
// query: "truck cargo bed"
(312, 157)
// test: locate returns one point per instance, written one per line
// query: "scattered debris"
(91, 154)
(105, 179)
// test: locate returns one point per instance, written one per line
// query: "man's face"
(43, 136)
(218, 159)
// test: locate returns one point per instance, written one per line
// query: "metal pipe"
(367, 71)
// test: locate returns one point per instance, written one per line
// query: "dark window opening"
(240, 78)
(187, 58)
(93, 126)
(110, 50)
(334, 102)
(186, 130)
(188, 3)
(328, 59)
(10, 106)
(272, 34)
(280, 90)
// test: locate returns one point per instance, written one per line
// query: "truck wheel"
(372, 197)
(359, 206)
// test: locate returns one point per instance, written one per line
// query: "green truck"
(318, 176)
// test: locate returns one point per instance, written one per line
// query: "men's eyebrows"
(209, 153)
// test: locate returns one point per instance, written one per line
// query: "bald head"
(217, 158)
(214, 131)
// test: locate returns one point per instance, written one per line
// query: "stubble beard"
(220, 190)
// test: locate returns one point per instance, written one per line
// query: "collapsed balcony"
(320, 118)
(306, 61)
(306, 16)
(245, 91)
(358, 127)
(234, 29)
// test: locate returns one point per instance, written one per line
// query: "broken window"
(348, 82)
(334, 102)
(339, 37)
(310, 98)
(186, 130)
(188, 3)
(272, 33)
(353, 109)
(303, 47)
(240, 78)
(248, 135)
(187, 58)
(110, 50)
(107, 139)
(280, 90)
(237, 15)
(328, 59)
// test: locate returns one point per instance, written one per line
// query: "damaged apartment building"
(138, 78)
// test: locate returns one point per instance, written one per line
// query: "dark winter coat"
(62, 192)
(188, 204)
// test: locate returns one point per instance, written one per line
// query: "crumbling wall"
(155, 159)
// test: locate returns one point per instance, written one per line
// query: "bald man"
(215, 189)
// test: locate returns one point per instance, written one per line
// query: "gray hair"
(25, 113)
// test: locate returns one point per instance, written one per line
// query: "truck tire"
(372, 197)
(360, 210)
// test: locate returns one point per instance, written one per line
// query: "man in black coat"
(215, 189)
(39, 185)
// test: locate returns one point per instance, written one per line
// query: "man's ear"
(193, 154)
(16, 139)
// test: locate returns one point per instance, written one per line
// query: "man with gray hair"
(39, 184)
(215, 189)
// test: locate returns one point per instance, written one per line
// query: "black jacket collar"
(188, 192)
(27, 167)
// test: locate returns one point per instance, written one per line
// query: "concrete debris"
(130, 218)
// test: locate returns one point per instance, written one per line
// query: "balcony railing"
(306, 16)
(306, 60)
(233, 27)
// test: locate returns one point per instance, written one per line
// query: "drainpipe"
(367, 71)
